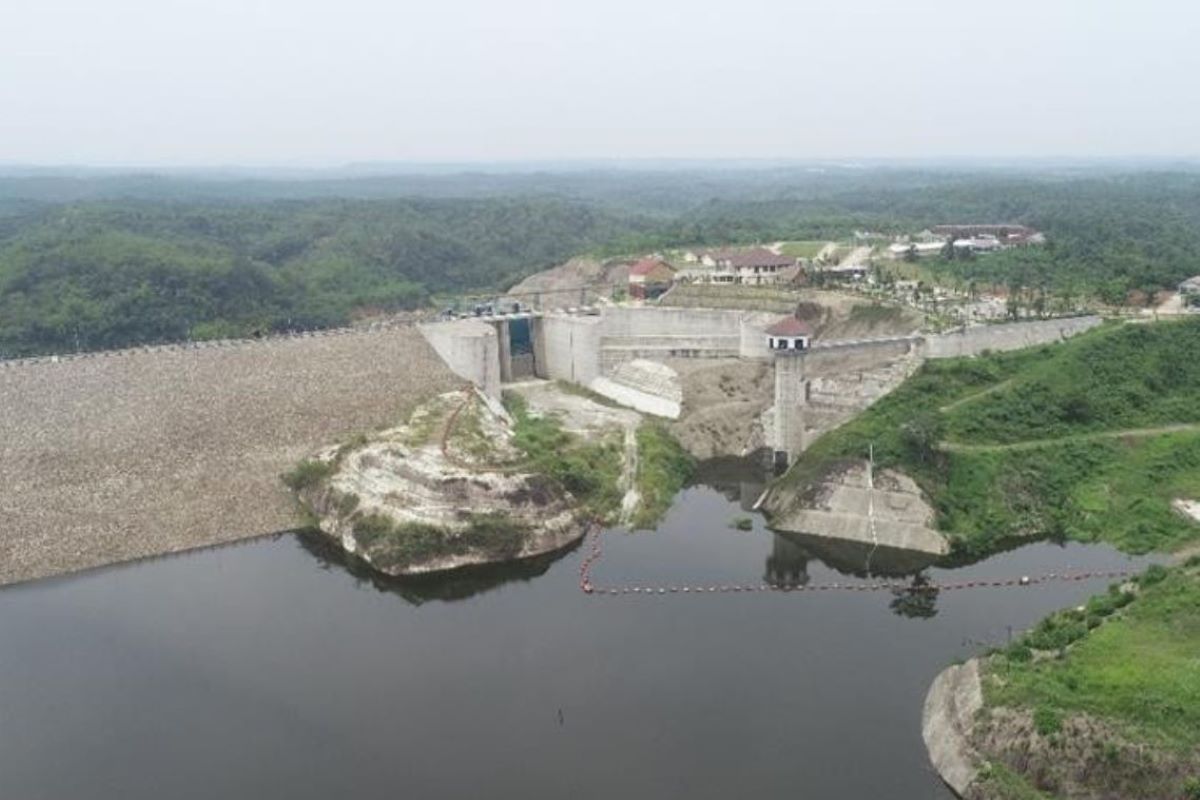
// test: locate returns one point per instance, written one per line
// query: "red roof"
(648, 265)
(790, 326)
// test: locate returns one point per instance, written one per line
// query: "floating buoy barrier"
(587, 586)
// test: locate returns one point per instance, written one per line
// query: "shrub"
(1018, 653)
(307, 474)
(663, 469)
(1153, 574)
(1058, 631)
(742, 524)
(1046, 721)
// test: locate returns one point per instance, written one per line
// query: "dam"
(115, 456)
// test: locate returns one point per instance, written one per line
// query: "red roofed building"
(754, 265)
(649, 278)
(790, 333)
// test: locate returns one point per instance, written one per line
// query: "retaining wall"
(470, 348)
(657, 333)
(1011, 336)
(866, 354)
(568, 347)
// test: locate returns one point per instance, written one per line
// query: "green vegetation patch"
(391, 546)
(1123, 377)
(663, 469)
(468, 436)
(591, 471)
(1128, 661)
(307, 474)
(802, 249)
(998, 782)
(1023, 459)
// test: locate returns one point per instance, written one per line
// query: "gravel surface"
(136, 453)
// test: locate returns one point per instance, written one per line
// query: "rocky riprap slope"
(121, 455)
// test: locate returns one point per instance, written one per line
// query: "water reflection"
(918, 601)
(740, 480)
(458, 584)
(860, 559)
(787, 564)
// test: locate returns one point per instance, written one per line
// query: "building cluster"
(754, 266)
(987, 238)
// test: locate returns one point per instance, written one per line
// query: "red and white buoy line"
(594, 554)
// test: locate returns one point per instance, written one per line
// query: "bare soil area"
(723, 403)
(561, 286)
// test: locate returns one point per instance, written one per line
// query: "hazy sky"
(321, 82)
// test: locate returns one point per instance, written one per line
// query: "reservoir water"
(268, 670)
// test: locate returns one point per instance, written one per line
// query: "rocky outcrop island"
(468, 481)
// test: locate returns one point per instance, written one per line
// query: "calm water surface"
(265, 670)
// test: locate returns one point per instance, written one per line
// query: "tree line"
(108, 262)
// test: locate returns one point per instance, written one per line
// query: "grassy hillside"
(1088, 440)
(1113, 693)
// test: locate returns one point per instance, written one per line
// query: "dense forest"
(92, 261)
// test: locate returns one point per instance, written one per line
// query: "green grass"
(1135, 666)
(1132, 376)
(998, 782)
(394, 546)
(1068, 483)
(663, 469)
(468, 436)
(591, 471)
(802, 249)
(307, 474)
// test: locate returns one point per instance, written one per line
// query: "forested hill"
(109, 274)
(100, 261)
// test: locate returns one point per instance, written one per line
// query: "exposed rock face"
(415, 499)
(1088, 759)
(842, 504)
(947, 721)
(723, 404)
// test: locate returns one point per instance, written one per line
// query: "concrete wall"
(656, 333)
(698, 322)
(753, 329)
(569, 347)
(1012, 336)
(470, 348)
(839, 359)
